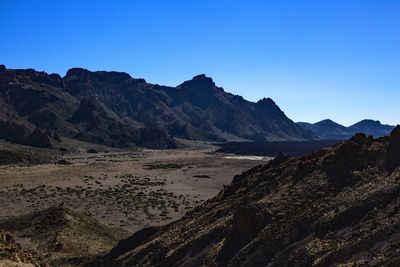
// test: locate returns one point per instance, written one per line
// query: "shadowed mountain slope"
(115, 109)
(371, 127)
(335, 206)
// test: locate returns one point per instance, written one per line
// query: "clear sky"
(316, 59)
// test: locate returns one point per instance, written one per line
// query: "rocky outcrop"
(12, 253)
(394, 149)
(60, 236)
(38, 139)
(336, 206)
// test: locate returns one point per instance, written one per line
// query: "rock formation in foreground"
(335, 206)
(55, 236)
(12, 253)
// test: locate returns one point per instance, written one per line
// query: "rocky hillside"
(56, 236)
(328, 129)
(335, 206)
(115, 109)
(12, 253)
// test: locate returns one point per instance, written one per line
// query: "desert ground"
(126, 189)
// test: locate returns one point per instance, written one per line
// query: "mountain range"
(328, 129)
(114, 109)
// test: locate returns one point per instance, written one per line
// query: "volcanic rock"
(336, 206)
(60, 236)
(114, 109)
(13, 132)
(38, 139)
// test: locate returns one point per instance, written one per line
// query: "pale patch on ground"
(247, 157)
(124, 189)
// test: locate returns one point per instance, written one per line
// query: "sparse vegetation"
(157, 166)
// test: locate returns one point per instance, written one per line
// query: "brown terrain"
(65, 208)
(126, 189)
(335, 207)
(86, 178)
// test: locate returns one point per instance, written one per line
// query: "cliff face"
(335, 206)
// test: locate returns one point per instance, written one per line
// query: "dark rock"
(13, 132)
(56, 137)
(63, 162)
(78, 72)
(246, 223)
(393, 158)
(38, 139)
(114, 109)
(92, 151)
(325, 209)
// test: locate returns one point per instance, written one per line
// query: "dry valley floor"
(130, 190)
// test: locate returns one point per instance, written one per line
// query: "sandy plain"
(129, 189)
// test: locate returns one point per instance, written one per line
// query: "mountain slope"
(335, 206)
(115, 109)
(196, 109)
(328, 129)
(62, 236)
(12, 253)
(371, 127)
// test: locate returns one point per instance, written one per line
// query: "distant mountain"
(328, 129)
(372, 127)
(115, 109)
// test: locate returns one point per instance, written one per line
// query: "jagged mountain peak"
(200, 77)
(124, 107)
(269, 105)
(198, 82)
(266, 101)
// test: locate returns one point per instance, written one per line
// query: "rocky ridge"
(334, 206)
(328, 129)
(115, 109)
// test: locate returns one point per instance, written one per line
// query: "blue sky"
(316, 59)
